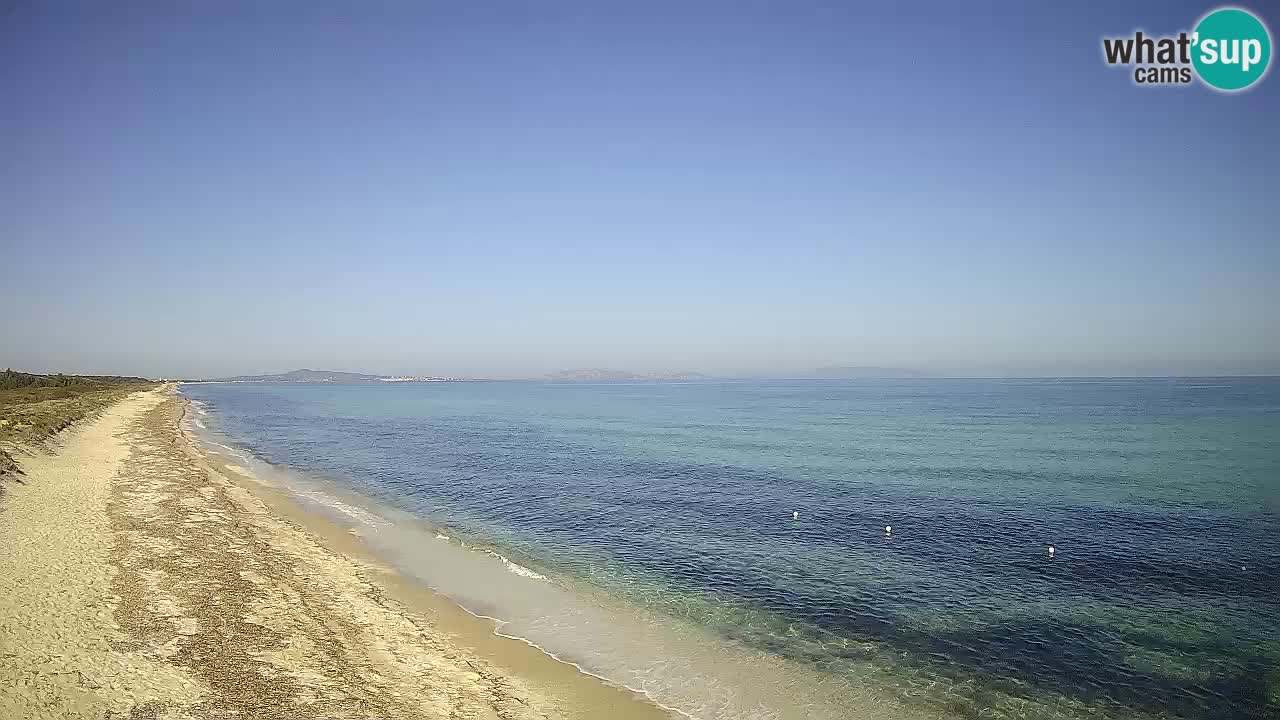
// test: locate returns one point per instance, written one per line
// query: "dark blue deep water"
(1161, 497)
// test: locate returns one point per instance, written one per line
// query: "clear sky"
(507, 189)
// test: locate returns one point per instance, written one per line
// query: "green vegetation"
(33, 407)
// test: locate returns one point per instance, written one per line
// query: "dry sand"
(140, 579)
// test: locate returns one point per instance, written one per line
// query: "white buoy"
(795, 514)
(888, 529)
(1051, 548)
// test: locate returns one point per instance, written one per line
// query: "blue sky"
(507, 189)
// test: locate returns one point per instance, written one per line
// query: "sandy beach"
(142, 578)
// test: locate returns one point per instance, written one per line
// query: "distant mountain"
(606, 375)
(304, 376)
(853, 372)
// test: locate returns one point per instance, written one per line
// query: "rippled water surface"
(1161, 497)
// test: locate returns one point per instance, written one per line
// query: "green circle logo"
(1232, 49)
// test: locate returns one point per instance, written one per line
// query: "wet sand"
(140, 577)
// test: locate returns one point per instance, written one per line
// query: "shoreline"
(477, 631)
(204, 590)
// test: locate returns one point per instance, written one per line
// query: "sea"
(822, 549)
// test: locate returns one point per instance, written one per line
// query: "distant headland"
(336, 376)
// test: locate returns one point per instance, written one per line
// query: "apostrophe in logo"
(1232, 49)
(1229, 50)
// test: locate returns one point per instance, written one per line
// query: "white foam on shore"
(511, 566)
(230, 450)
(517, 568)
(497, 630)
(328, 501)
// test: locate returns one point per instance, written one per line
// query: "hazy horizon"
(913, 374)
(736, 189)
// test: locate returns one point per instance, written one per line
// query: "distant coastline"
(606, 375)
(575, 375)
(583, 374)
(328, 376)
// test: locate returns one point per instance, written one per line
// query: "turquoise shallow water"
(1161, 497)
